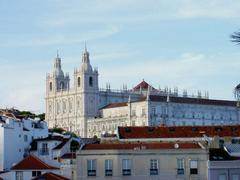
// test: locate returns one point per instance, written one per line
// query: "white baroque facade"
(88, 110)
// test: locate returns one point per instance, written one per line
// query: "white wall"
(12, 143)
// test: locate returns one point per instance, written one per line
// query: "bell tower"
(86, 87)
(55, 82)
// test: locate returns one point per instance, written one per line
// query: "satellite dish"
(176, 146)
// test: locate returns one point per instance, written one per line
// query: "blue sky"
(178, 43)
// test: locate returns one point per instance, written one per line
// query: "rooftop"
(188, 100)
(114, 105)
(142, 85)
(50, 138)
(177, 131)
(32, 162)
(69, 156)
(136, 146)
(50, 176)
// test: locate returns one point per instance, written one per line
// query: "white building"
(15, 138)
(54, 150)
(30, 168)
(85, 107)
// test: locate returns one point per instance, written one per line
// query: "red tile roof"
(142, 85)
(50, 176)
(114, 105)
(177, 131)
(32, 162)
(69, 156)
(134, 146)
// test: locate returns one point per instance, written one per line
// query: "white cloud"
(60, 39)
(209, 9)
(137, 11)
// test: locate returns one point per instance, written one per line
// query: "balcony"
(108, 172)
(180, 171)
(126, 172)
(193, 171)
(43, 151)
(91, 172)
(153, 171)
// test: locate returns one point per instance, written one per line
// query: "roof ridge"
(36, 159)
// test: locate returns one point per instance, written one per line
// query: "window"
(180, 166)
(126, 167)
(222, 177)
(235, 141)
(36, 173)
(44, 149)
(50, 86)
(90, 81)
(25, 138)
(108, 167)
(154, 111)
(193, 167)
(79, 81)
(153, 167)
(235, 177)
(133, 112)
(133, 123)
(91, 167)
(19, 175)
(221, 143)
(64, 106)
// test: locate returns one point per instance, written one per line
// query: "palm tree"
(235, 37)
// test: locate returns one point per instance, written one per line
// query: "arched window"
(50, 86)
(79, 81)
(90, 81)
(62, 85)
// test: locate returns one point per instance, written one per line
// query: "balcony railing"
(193, 171)
(126, 172)
(180, 171)
(153, 171)
(91, 172)
(108, 172)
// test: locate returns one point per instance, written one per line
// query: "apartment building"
(142, 161)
